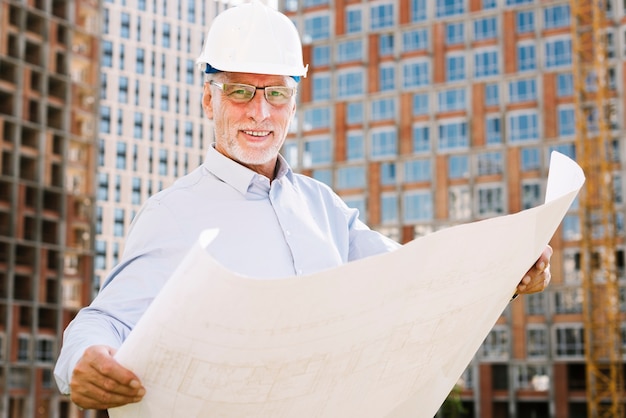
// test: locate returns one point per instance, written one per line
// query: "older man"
(273, 222)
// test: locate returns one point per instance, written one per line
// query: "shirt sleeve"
(154, 247)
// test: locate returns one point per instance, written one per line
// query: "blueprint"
(386, 336)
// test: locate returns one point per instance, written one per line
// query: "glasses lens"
(239, 92)
(278, 95)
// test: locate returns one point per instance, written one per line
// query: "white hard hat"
(253, 38)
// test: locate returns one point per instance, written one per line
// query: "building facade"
(426, 114)
(152, 126)
(49, 55)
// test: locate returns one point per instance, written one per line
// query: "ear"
(207, 101)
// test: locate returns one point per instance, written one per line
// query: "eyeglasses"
(243, 93)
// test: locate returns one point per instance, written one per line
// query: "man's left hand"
(538, 277)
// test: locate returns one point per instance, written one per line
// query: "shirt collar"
(237, 175)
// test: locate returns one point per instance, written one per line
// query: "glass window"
(166, 35)
(417, 171)
(570, 341)
(351, 178)
(536, 341)
(490, 200)
(290, 152)
(455, 33)
(105, 119)
(530, 159)
(321, 87)
(556, 16)
(354, 113)
(416, 74)
(125, 25)
(455, 67)
(418, 206)
(23, 347)
(107, 54)
(381, 16)
(120, 161)
(451, 100)
(163, 162)
(526, 58)
(531, 194)
(321, 55)
(420, 104)
(525, 21)
(492, 94)
(494, 130)
(324, 175)
(566, 121)
(382, 109)
(351, 50)
(571, 228)
(316, 118)
(387, 76)
(355, 146)
(535, 303)
(459, 203)
(564, 85)
(565, 149)
(421, 138)
(388, 174)
(122, 95)
(485, 28)
(488, 163)
(384, 143)
(350, 84)
(446, 8)
(458, 167)
(354, 20)
(522, 90)
(385, 45)
(418, 10)
(453, 135)
(523, 126)
(389, 208)
(136, 191)
(485, 63)
(317, 151)
(118, 222)
(103, 186)
(415, 40)
(138, 125)
(496, 345)
(317, 27)
(558, 52)
(516, 2)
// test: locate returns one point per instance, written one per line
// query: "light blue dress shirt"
(292, 226)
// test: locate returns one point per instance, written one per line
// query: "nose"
(259, 108)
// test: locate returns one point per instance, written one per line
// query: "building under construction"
(48, 125)
(425, 114)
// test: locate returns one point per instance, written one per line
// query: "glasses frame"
(267, 90)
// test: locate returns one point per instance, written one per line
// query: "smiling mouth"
(258, 134)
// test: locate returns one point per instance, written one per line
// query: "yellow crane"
(603, 356)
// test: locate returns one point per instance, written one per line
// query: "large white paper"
(386, 336)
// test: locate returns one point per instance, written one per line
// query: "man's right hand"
(100, 382)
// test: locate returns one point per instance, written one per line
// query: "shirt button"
(288, 233)
(300, 272)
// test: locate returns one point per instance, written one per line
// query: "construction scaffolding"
(595, 154)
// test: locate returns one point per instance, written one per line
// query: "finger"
(90, 396)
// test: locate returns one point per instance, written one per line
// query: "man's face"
(252, 132)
